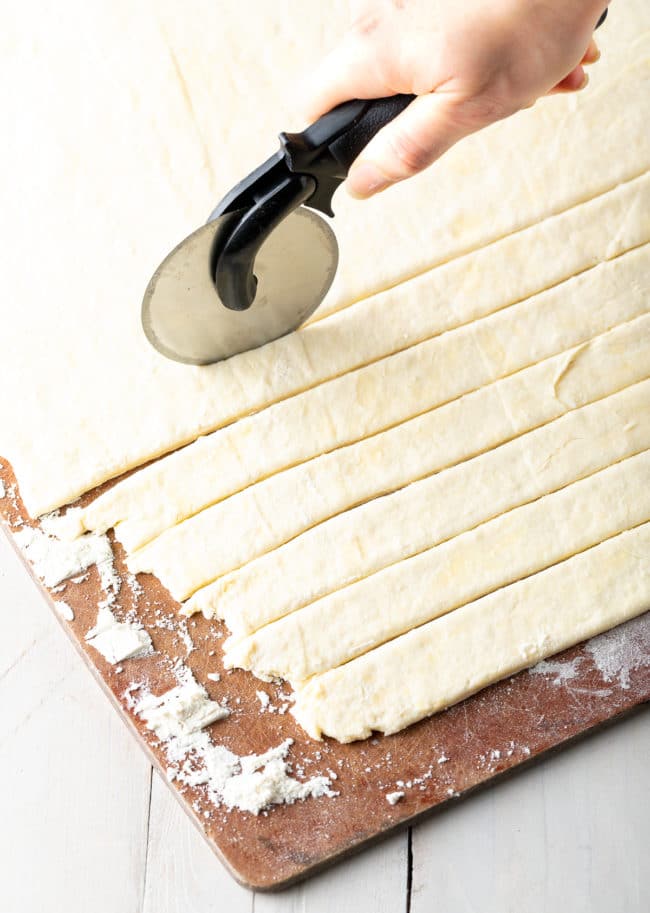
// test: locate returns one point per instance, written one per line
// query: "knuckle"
(410, 155)
(488, 108)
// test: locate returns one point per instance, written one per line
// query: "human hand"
(469, 63)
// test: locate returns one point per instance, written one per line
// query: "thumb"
(414, 140)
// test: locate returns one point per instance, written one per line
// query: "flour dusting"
(118, 640)
(618, 652)
(562, 672)
(62, 526)
(55, 560)
(615, 654)
(64, 610)
(250, 783)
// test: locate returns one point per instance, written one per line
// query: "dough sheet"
(277, 509)
(357, 618)
(386, 530)
(452, 657)
(444, 476)
(132, 157)
(440, 300)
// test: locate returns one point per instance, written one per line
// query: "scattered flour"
(118, 640)
(394, 798)
(67, 526)
(135, 586)
(250, 783)
(255, 782)
(184, 634)
(179, 715)
(263, 698)
(55, 560)
(615, 654)
(618, 652)
(214, 676)
(64, 610)
(562, 672)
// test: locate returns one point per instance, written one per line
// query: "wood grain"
(48, 706)
(569, 834)
(497, 730)
(520, 835)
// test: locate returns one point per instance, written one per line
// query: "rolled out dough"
(482, 357)
(519, 543)
(454, 656)
(386, 530)
(256, 595)
(273, 511)
(138, 139)
(227, 461)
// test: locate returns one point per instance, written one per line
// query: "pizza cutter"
(265, 259)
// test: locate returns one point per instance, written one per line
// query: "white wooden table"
(85, 825)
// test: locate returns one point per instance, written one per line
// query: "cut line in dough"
(229, 534)
(446, 298)
(386, 530)
(507, 408)
(524, 541)
(111, 403)
(452, 657)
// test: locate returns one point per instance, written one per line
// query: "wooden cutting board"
(432, 763)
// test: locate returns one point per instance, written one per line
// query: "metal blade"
(184, 319)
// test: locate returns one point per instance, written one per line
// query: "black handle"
(236, 246)
(353, 124)
(327, 148)
(307, 169)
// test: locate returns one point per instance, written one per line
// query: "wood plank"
(519, 718)
(73, 833)
(568, 834)
(373, 882)
(503, 829)
(182, 873)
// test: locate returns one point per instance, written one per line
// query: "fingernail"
(584, 82)
(365, 179)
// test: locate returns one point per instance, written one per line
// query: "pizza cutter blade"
(184, 318)
(265, 260)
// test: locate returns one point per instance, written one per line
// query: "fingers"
(592, 54)
(350, 71)
(577, 79)
(408, 145)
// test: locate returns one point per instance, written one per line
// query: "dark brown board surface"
(508, 724)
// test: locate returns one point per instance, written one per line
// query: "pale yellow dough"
(289, 577)
(227, 461)
(132, 155)
(469, 406)
(523, 541)
(452, 657)
(264, 516)
(387, 530)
